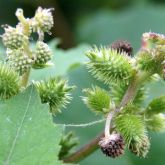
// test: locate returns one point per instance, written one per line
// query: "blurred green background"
(79, 24)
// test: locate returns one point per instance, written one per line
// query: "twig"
(84, 151)
(93, 145)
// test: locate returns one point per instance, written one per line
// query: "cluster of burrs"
(22, 55)
(127, 119)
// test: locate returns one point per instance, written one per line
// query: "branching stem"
(84, 151)
(93, 145)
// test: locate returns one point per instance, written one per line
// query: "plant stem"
(25, 78)
(26, 28)
(128, 97)
(84, 151)
(108, 123)
(93, 145)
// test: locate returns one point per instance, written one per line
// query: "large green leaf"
(27, 133)
(105, 26)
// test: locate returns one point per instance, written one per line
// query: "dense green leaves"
(28, 135)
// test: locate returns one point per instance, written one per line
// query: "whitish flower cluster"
(20, 56)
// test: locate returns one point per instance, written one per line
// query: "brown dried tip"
(112, 146)
(122, 46)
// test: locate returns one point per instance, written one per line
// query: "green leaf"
(28, 135)
(97, 99)
(156, 106)
(122, 24)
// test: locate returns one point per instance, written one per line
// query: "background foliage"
(94, 22)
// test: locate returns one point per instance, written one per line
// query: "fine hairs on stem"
(83, 125)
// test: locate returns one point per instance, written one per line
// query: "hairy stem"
(93, 145)
(108, 123)
(25, 79)
(84, 151)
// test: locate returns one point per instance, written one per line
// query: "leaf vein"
(18, 131)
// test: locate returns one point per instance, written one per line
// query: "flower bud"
(42, 54)
(19, 61)
(155, 38)
(13, 38)
(43, 20)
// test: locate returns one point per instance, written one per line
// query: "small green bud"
(150, 61)
(42, 54)
(140, 146)
(97, 99)
(67, 142)
(43, 20)
(155, 123)
(19, 61)
(9, 82)
(13, 38)
(55, 92)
